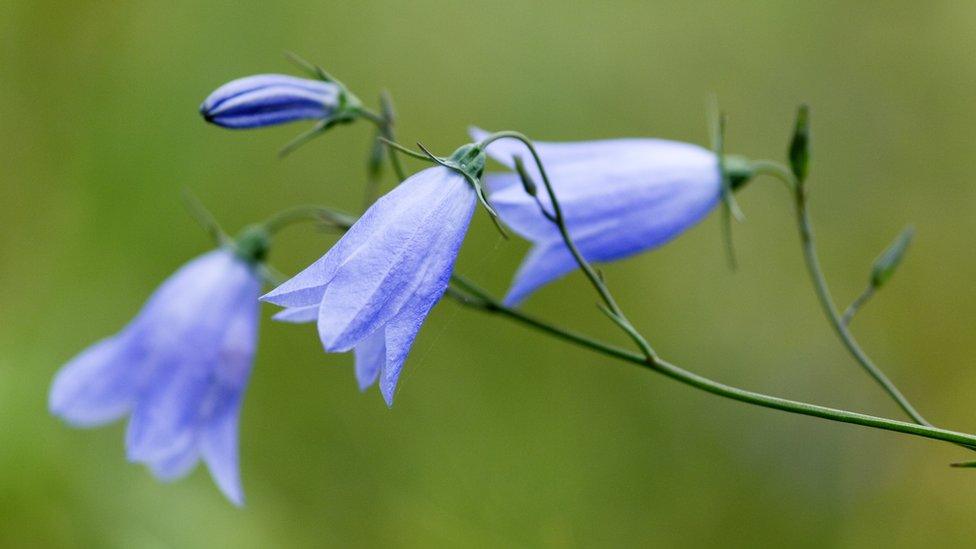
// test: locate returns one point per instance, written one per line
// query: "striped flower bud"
(270, 99)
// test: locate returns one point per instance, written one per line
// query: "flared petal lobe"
(370, 359)
(619, 197)
(375, 287)
(179, 368)
(95, 387)
(269, 99)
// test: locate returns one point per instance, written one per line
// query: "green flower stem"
(823, 292)
(649, 358)
(856, 305)
(482, 300)
(613, 310)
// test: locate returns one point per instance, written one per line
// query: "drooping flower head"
(270, 99)
(372, 291)
(619, 197)
(178, 370)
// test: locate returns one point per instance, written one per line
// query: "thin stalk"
(857, 304)
(805, 228)
(560, 221)
(483, 301)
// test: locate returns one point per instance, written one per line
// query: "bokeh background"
(500, 436)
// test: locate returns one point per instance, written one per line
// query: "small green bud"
(530, 187)
(886, 264)
(800, 145)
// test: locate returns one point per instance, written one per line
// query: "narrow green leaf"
(886, 264)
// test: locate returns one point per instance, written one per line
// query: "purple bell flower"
(178, 370)
(372, 291)
(270, 99)
(619, 197)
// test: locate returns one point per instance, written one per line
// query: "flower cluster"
(180, 368)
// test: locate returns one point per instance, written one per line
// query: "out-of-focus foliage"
(499, 435)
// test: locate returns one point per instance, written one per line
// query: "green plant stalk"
(651, 360)
(859, 302)
(805, 228)
(483, 301)
(613, 310)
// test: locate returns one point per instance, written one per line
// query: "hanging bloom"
(374, 288)
(619, 197)
(178, 370)
(269, 99)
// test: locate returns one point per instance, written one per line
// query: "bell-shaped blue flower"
(619, 197)
(269, 99)
(178, 370)
(372, 291)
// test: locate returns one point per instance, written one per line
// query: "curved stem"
(857, 304)
(823, 291)
(617, 315)
(485, 302)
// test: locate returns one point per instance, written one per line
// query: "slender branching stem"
(478, 298)
(805, 228)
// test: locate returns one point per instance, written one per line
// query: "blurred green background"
(500, 436)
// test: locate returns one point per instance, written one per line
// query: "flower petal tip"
(477, 133)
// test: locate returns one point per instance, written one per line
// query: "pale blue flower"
(619, 197)
(374, 288)
(269, 99)
(178, 370)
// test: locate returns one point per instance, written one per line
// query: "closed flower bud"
(270, 99)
